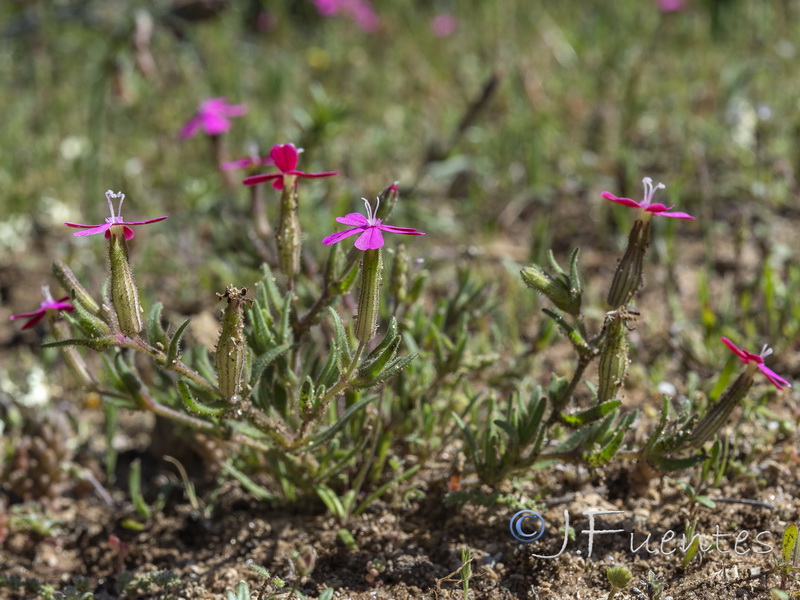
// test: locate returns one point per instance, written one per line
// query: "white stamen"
(372, 214)
(109, 195)
(765, 351)
(46, 293)
(650, 190)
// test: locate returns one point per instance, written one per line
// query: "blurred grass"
(589, 98)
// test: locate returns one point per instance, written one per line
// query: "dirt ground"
(410, 546)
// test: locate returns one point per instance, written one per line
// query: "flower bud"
(718, 414)
(62, 331)
(398, 282)
(556, 289)
(628, 276)
(232, 348)
(70, 283)
(614, 361)
(619, 577)
(124, 295)
(289, 229)
(369, 298)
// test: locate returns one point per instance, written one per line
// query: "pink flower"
(285, 158)
(213, 116)
(113, 220)
(671, 5)
(758, 359)
(369, 227)
(443, 25)
(360, 11)
(647, 204)
(48, 304)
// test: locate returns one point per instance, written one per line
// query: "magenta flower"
(758, 359)
(369, 227)
(360, 11)
(671, 5)
(112, 220)
(443, 25)
(212, 116)
(647, 205)
(285, 158)
(48, 304)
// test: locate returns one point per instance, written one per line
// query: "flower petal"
(95, 229)
(356, 219)
(778, 381)
(339, 236)
(311, 175)
(143, 222)
(38, 317)
(403, 230)
(618, 200)
(191, 127)
(285, 156)
(371, 239)
(742, 354)
(79, 225)
(256, 179)
(232, 165)
(215, 124)
(675, 215)
(33, 313)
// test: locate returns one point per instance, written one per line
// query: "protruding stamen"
(765, 351)
(650, 190)
(46, 293)
(109, 195)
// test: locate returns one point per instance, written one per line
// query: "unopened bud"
(613, 365)
(556, 289)
(232, 348)
(124, 295)
(369, 298)
(619, 577)
(72, 286)
(62, 331)
(718, 414)
(398, 282)
(628, 276)
(289, 229)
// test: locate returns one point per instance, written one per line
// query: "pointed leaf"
(175, 343)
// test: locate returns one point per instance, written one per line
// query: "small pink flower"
(443, 25)
(360, 11)
(647, 204)
(48, 304)
(758, 359)
(369, 227)
(671, 5)
(112, 220)
(285, 158)
(213, 116)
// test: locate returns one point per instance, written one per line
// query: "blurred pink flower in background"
(360, 11)
(48, 305)
(213, 116)
(443, 25)
(671, 5)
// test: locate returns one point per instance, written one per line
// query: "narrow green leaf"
(193, 405)
(592, 414)
(247, 483)
(94, 344)
(155, 332)
(135, 490)
(331, 501)
(265, 359)
(788, 543)
(324, 436)
(175, 343)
